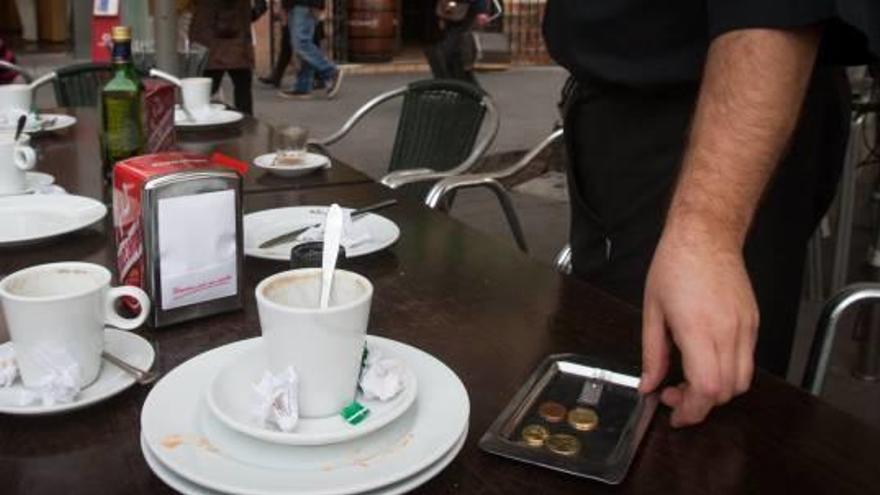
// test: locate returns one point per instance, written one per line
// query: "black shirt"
(650, 42)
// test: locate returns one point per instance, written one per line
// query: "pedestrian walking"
(224, 26)
(285, 56)
(303, 19)
(452, 57)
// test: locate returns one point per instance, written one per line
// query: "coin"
(563, 444)
(552, 412)
(583, 419)
(534, 435)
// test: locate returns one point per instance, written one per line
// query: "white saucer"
(218, 118)
(310, 163)
(184, 435)
(264, 225)
(34, 181)
(27, 219)
(127, 346)
(52, 122)
(230, 393)
(187, 487)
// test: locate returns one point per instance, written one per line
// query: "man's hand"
(697, 291)
(701, 292)
(482, 20)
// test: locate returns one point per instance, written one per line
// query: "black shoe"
(295, 94)
(268, 81)
(334, 84)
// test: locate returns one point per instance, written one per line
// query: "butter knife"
(294, 234)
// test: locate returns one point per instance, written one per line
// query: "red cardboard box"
(159, 115)
(141, 185)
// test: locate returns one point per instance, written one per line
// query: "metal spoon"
(332, 238)
(140, 376)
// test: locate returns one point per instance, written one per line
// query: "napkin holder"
(166, 207)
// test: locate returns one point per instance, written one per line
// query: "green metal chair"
(15, 68)
(79, 85)
(438, 133)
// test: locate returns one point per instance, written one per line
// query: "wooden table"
(73, 156)
(492, 315)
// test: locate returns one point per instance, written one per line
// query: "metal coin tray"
(576, 381)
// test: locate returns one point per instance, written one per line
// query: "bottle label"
(122, 127)
(121, 51)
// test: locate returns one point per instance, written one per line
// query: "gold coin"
(552, 412)
(534, 435)
(563, 444)
(583, 419)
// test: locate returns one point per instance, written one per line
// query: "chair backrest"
(79, 85)
(439, 123)
(15, 68)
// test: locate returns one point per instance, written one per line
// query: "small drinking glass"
(293, 150)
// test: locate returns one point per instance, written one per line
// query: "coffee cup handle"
(113, 319)
(25, 157)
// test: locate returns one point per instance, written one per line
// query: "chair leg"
(826, 330)
(510, 213)
(847, 207)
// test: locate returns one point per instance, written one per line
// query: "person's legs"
(303, 32)
(794, 203)
(241, 82)
(216, 76)
(284, 57)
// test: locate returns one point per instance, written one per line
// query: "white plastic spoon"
(332, 238)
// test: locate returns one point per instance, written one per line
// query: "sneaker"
(334, 84)
(268, 81)
(295, 94)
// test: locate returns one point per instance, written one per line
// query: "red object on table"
(159, 115)
(129, 179)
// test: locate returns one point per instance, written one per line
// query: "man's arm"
(698, 292)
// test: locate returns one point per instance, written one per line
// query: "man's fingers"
(655, 348)
(703, 387)
(745, 355)
(693, 408)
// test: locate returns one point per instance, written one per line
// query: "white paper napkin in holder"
(192, 248)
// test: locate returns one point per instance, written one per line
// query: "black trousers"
(242, 80)
(452, 56)
(625, 148)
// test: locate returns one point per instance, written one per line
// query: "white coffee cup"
(15, 100)
(324, 346)
(196, 93)
(63, 306)
(16, 157)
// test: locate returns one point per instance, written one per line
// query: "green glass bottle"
(122, 106)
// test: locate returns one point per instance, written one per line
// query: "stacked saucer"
(198, 436)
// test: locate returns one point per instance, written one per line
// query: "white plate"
(33, 181)
(217, 119)
(261, 226)
(51, 122)
(188, 440)
(230, 393)
(27, 219)
(111, 380)
(310, 163)
(187, 487)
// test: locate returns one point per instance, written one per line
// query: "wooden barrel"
(372, 30)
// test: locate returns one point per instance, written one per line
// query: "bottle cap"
(121, 33)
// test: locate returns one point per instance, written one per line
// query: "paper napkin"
(354, 233)
(381, 378)
(59, 386)
(276, 400)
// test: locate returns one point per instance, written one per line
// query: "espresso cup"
(196, 94)
(63, 307)
(15, 100)
(16, 157)
(324, 346)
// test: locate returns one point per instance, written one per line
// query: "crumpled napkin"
(381, 378)
(354, 233)
(59, 386)
(276, 400)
